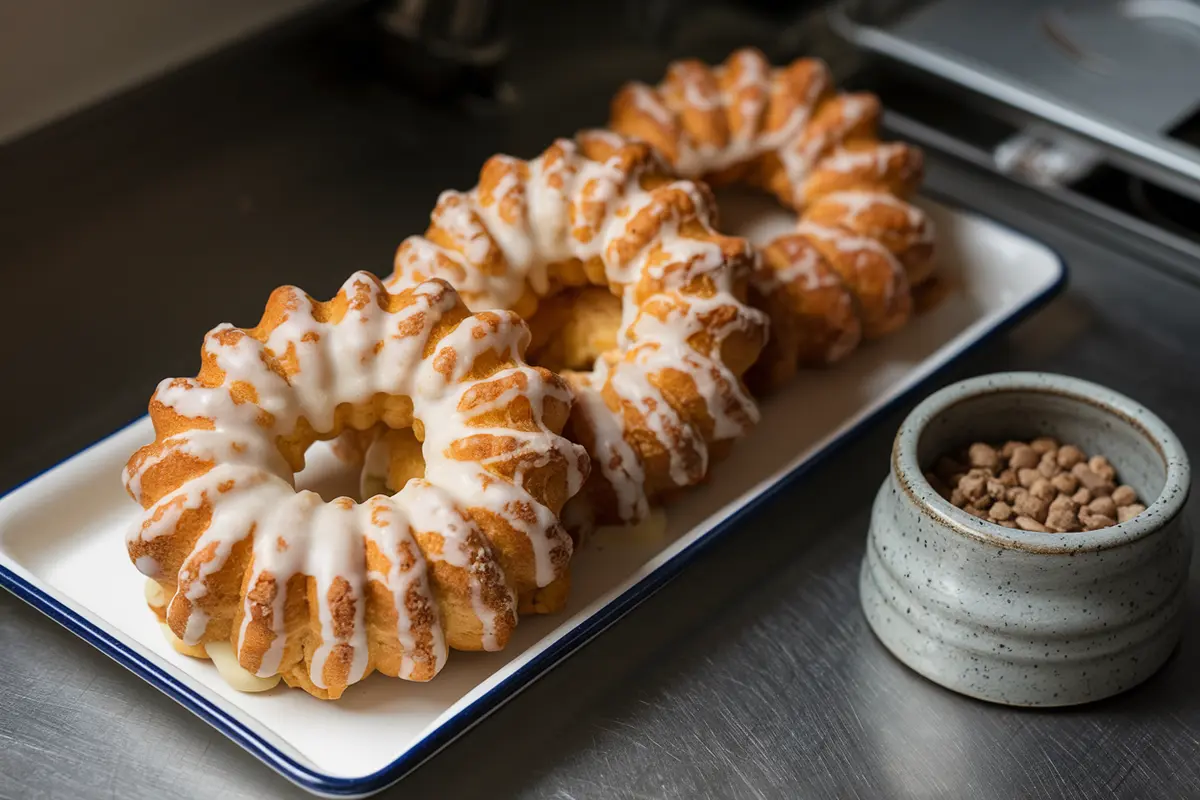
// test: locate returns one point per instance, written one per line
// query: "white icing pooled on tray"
(250, 488)
(572, 207)
(238, 677)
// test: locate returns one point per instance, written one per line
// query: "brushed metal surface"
(1067, 63)
(752, 675)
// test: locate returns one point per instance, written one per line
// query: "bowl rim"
(909, 475)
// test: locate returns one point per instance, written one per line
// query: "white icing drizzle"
(875, 159)
(250, 488)
(603, 199)
(855, 203)
(693, 94)
(803, 270)
(800, 156)
(610, 138)
(859, 247)
(648, 102)
(750, 93)
(616, 459)
(469, 234)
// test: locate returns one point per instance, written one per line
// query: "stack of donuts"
(607, 245)
(600, 262)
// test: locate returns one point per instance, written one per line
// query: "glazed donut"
(812, 312)
(618, 270)
(324, 593)
(788, 132)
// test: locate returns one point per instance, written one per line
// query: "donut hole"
(753, 214)
(360, 464)
(571, 329)
(331, 462)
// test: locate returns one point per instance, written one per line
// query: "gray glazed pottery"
(1029, 619)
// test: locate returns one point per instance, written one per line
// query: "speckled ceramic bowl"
(1029, 619)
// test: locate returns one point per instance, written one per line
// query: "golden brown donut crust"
(788, 131)
(616, 264)
(323, 593)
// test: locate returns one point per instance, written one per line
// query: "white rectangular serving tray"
(62, 536)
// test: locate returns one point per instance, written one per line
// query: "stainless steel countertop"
(752, 675)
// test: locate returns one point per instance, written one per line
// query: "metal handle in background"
(443, 49)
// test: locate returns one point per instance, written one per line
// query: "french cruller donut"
(627, 289)
(324, 593)
(848, 270)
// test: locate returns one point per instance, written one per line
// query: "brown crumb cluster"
(1035, 486)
